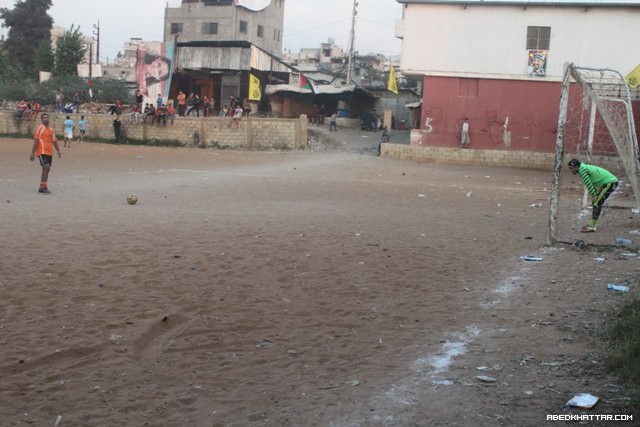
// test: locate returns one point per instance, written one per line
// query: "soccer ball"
(132, 199)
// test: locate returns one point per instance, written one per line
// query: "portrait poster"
(154, 67)
(537, 64)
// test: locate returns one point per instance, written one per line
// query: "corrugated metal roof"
(227, 55)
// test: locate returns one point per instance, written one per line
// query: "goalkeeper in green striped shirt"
(599, 182)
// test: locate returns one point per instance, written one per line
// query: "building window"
(538, 38)
(210, 28)
(276, 35)
(176, 28)
(243, 27)
(260, 31)
(216, 2)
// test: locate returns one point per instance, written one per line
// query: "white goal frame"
(603, 87)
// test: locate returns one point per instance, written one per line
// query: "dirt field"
(293, 289)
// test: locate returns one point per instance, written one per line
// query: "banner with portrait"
(154, 68)
(537, 64)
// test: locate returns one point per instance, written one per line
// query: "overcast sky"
(307, 23)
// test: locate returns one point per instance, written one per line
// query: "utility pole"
(352, 42)
(96, 33)
(90, 60)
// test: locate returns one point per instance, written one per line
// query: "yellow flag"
(254, 88)
(633, 78)
(392, 86)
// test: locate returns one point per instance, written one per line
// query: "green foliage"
(70, 52)
(17, 89)
(28, 24)
(8, 70)
(624, 358)
(626, 338)
(43, 59)
(107, 91)
(68, 85)
(111, 90)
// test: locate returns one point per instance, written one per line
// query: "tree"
(70, 51)
(28, 24)
(7, 70)
(43, 59)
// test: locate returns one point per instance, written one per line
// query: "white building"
(499, 63)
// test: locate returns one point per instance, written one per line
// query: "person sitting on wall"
(21, 107)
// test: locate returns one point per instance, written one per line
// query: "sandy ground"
(329, 288)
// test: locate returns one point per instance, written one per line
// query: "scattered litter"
(617, 288)
(579, 244)
(58, 420)
(535, 205)
(599, 259)
(621, 241)
(635, 211)
(265, 343)
(139, 157)
(422, 195)
(531, 258)
(355, 383)
(637, 231)
(583, 400)
(628, 254)
(486, 379)
(469, 193)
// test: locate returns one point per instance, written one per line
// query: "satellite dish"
(255, 5)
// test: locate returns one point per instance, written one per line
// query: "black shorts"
(82, 131)
(45, 159)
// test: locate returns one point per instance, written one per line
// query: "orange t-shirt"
(45, 137)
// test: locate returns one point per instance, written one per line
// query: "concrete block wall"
(470, 156)
(251, 133)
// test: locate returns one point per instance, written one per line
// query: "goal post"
(595, 124)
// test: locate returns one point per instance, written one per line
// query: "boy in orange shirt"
(44, 141)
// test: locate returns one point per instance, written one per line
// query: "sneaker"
(44, 191)
(587, 229)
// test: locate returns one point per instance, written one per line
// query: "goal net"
(595, 125)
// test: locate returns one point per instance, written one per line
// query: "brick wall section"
(252, 133)
(498, 158)
(469, 156)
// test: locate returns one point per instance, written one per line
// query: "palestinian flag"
(304, 83)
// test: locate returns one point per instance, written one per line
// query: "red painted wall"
(531, 108)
